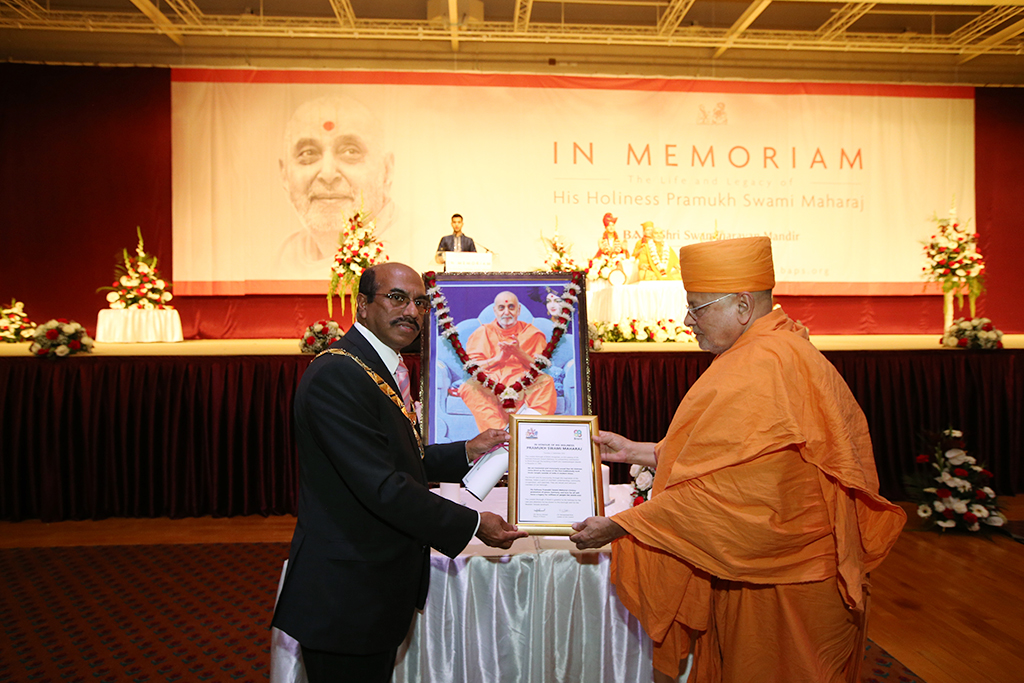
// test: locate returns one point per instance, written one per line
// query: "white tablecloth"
(650, 300)
(540, 612)
(138, 325)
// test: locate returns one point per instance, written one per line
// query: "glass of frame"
(517, 369)
(554, 473)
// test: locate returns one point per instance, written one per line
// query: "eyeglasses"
(400, 300)
(692, 311)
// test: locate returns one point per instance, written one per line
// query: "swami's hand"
(617, 448)
(484, 442)
(496, 532)
(594, 532)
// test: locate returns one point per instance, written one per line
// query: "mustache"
(407, 319)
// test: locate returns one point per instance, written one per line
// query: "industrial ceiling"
(974, 42)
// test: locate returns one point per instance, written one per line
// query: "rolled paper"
(452, 492)
(487, 472)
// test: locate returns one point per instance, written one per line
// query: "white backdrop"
(844, 178)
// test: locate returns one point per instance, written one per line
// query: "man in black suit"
(360, 558)
(455, 241)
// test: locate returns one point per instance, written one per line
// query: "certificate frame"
(522, 515)
(460, 304)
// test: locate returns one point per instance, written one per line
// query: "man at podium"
(455, 241)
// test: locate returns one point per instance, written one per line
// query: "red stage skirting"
(179, 436)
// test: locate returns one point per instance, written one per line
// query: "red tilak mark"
(328, 125)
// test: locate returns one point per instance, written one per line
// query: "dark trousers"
(331, 667)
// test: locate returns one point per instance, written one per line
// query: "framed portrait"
(554, 473)
(501, 344)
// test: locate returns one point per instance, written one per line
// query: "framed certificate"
(554, 472)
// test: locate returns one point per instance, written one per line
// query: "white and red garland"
(508, 395)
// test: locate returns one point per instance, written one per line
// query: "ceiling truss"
(988, 26)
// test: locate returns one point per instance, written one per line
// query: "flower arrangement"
(511, 394)
(358, 249)
(953, 259)
(59, 338)
(639, 331)
(319, 336)
(643, 480)
(601, 267)
(979, 333)
(558, 259)
(15, 325)
(951, 487)
(138, 283)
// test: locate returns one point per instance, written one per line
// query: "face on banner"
(333, 164)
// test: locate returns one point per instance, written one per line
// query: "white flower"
(988, 491)
(946, 523)
(995, 519)
(634, 470)
(938, 505)
(949, 340)
(112, 297)
(124, 281)
(955, 456)
(166, 296)
(644, 480)
(35, 347)
(143, 268)
(973, 527)
(959, 506)
(160, 284)
(924, 511)
(62, 350)
(980, 511)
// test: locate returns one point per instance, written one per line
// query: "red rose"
(999, 344)
(970, 517)
(923, 458)
(638, 500)
(311, 340)
(518, 386)
(986, 473)
(948, 514)
(62, 320)
(74, 345)
(52, 333)
(508, 404)
(960, 472)
(499, 387)
(987, 327)
(480, 377)
(943, 493)
(42, 352)
(962, 342)
(489, 383)
(980, 495)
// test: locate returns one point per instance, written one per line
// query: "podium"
(467, 262)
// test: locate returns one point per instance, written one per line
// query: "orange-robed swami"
(484, 344)
(764, 520)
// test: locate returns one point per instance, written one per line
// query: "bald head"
(506, 309)
(334, 162)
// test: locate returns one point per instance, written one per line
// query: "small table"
(138, 325)
(542, 611)
(649, 300)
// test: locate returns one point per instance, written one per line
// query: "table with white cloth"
(123, 325)
(542, 611)
(647, 300)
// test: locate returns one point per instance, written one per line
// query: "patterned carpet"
(164, 613)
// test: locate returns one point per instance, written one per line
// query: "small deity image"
(608, 263)
(655, 260)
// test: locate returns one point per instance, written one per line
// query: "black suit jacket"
(447, 243)
(359, 560)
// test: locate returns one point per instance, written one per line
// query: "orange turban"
(727, 266)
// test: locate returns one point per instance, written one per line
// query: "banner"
(269, 165)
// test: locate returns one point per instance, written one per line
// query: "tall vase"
(947, 310)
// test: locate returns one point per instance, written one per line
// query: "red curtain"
(87, 158)
(99, 436)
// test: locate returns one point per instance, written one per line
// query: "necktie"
(402, 375)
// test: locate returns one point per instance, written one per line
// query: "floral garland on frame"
(508, 395)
